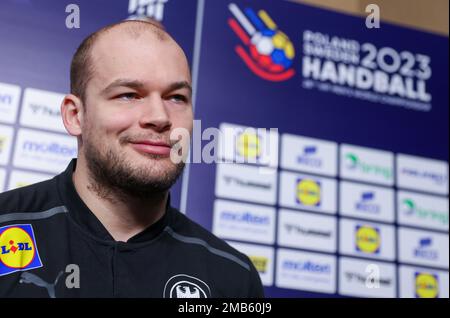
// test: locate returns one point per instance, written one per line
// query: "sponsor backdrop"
(332, 161)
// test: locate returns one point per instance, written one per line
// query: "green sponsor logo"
(355, 163)
(410, 208)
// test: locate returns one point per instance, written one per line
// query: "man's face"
(139, 93)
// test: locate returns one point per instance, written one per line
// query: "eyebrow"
(123, 83)
(135, 84)
(179, 85)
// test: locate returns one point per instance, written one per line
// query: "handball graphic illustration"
(269, 52)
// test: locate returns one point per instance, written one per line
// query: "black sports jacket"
(52, 245)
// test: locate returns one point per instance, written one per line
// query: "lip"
(152, 147)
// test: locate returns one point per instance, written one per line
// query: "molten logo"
(18, 249)
(271, 51)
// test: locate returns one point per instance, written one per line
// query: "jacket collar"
(87, 220)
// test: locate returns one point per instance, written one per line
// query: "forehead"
(142, 55)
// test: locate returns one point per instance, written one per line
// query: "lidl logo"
(427, 285)
(271, 53)
(368, 239)
(260, 263)
(248, 145)
(308, 192)
(18, 249)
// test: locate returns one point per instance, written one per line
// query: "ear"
(72, 114)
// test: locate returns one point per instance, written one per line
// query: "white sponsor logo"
(423, 174)
(367, 239)
(262, 257)
(41, 109)
(306, 230)
(9, 102)
(243, 144)
(309, 155)
(366, 164)
(19, 179)
(246, 222)
(247, 183)
(6, 135)
(2, 179)
(305, 271)
(419, 282)
(366, 278)
(146, 8)
(366, 202)
(308, 192)
(423, 248)
(422, 210)
(45, 152)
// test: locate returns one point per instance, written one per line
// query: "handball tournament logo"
(269, 52)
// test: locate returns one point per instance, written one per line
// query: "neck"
(122, 215)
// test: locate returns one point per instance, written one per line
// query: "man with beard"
(105, 227)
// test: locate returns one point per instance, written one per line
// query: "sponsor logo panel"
(366, 164)
(419, 282)
(247, 183)
(306, 230)
(366, 202)
(20, 179)
(308, 155)
(46, 152)
(421, 210)
(9, 102)
(367, 239)
(305, 271)
(423, 247)
(242, 221)
(362, 278)
(41, 109)
(243, 144)
(308, 192)
(417, 173)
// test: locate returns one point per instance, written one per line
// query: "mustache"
(151, 138)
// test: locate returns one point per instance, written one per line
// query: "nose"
(155, 115)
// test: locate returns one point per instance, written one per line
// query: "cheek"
(183, 119)
(113, 124)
